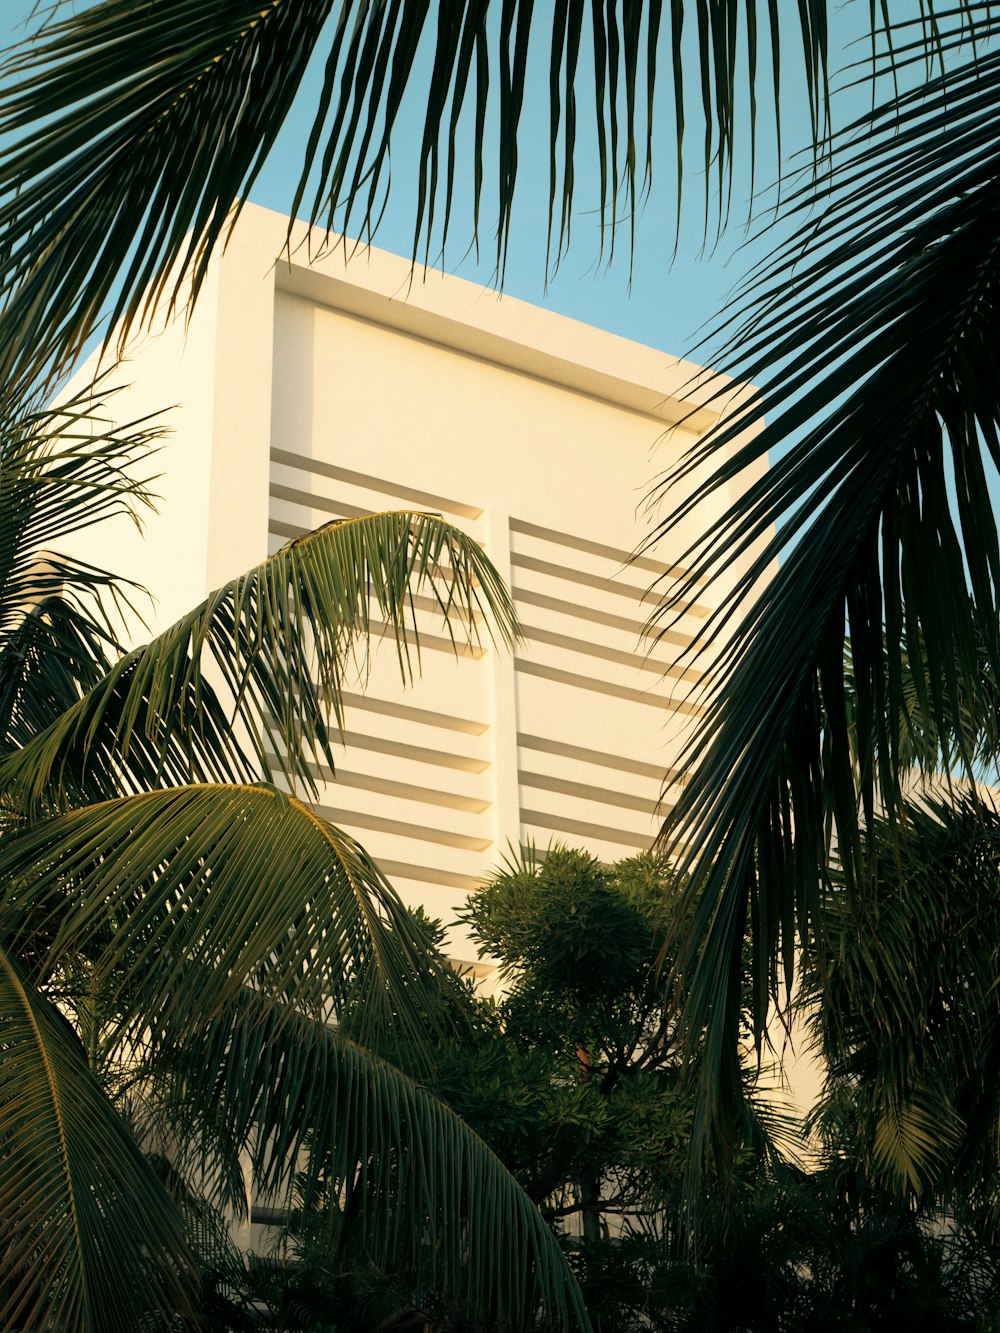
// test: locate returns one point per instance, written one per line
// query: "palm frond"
(900, 996)
(62, 470)
(180, 898)
(136, 132)
(971, 729)
(45, 665)
(370, 1148)
(228, 927)
(266, 654)
(885, 425)
(80, 1205)
(910, 1140)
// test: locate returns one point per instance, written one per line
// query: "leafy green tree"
(179, 938)
(573, 1076)
(588, 1033)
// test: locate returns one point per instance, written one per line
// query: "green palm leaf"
(383, 1156)
(181, 898)
(971, 728)
(889, 310)
(911, 1139)
(48, 661)
(901, 1000)
(61, 470)
(275, 644)
(135, 131)
(81, 1207)
(226, 927)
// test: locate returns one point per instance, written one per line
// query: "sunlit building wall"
(333, 383)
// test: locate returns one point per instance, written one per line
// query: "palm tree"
(136, 130)
(872, 333)
(877, 642)
(178, 937)
(902, 1002)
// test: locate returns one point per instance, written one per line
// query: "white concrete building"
(307, 390)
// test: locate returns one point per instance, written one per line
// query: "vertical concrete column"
(504, 700)
(241, 427)
(503, 682)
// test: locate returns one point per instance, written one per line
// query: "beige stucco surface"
(313, 382)
(332, 383)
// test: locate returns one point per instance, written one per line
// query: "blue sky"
(667, 299)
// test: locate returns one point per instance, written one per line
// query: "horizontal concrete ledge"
(639, 661)
(617, 554)
(402, 829)
(445, 879)
(638, 628)
(423, 499)
(367, 283)
(605, 687)
(619, 762)
(422, 716)
(399, 750)
(420, 754)
(584, 829)
(618, 587)
(585, 792)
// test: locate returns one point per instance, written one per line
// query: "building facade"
(332, 383)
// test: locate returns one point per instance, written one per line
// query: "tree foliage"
(575, 1079)
(871, 333)
(177, 943)
(571, 1075)
(136, 132)
(904, 1009)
